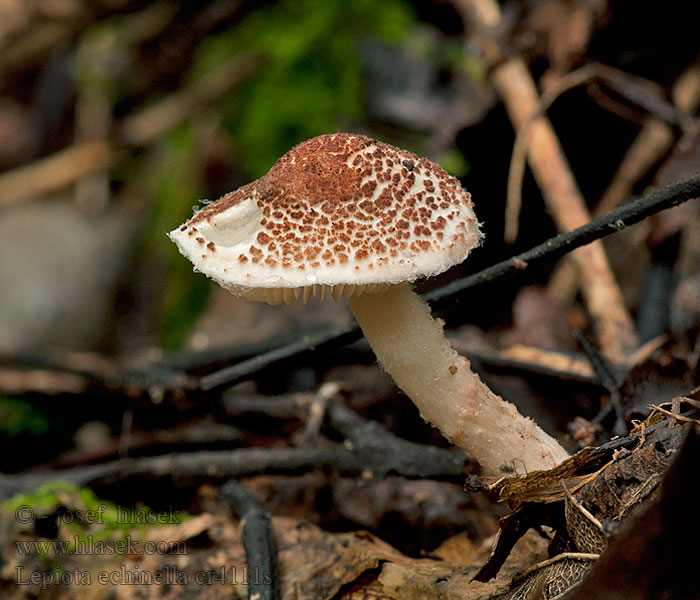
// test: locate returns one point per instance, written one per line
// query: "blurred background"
(118, 118)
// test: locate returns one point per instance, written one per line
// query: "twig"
(562, 365)
(258, 541)
(612, 323)
(40, 381)
(674, 415)
(609, 381)
(377, 446)
(195, 434)
(602, 98)
(653, 141)
(518, 158)
(317, 412)
(91, 367)
(152, 122)
(209, 466)
(514, 84)
(629, 86)
(54, 172)
(153, 379)
(647, 96)
(617, 220)
(369, 448)
(318, 342)
(641, 94)
(556, 247)
(601, 367)
(282, 406)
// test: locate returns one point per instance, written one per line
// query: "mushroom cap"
(342, 214)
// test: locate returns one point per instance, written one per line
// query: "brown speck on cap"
(367, 209)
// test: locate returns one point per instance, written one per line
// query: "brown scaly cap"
(340, 211)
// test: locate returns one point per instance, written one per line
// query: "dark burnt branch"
(560, 245)
(378, 448)
(527, 366)
(368, 439)
(368, 449)
(194, 467)
(282, 406)
(91, 370)
(67, 363)
(307, 345)
(636, 91)
(600, 365)
(609, 380)
(258, 541)
(554, 248)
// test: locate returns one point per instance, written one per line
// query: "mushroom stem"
(410, 345)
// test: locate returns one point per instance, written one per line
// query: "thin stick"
(40, 381)
(518, 158)
(657, 131)
(554, 248)
(653, 141)
(610, 381)
(513, 82)
(308, 344)
(147, 125)
(53, 173)
(613, 325)
(550, 362)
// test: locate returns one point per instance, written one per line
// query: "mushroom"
(348, 216)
